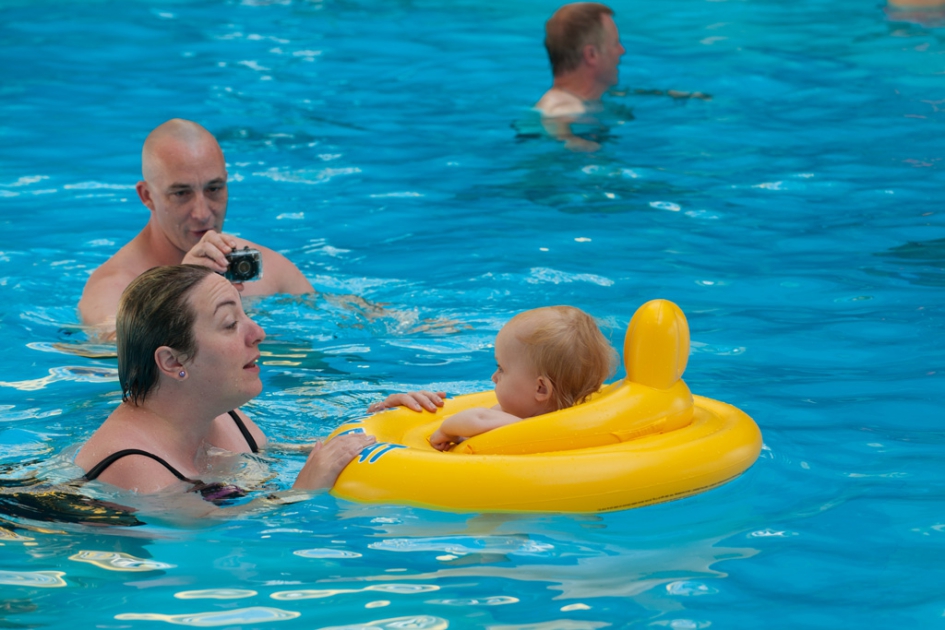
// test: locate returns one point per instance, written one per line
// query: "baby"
(546, 359)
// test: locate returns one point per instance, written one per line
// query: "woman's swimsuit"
(210, 491)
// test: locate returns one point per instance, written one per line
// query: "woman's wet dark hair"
(154, 312)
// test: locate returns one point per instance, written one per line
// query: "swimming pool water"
(385, 148)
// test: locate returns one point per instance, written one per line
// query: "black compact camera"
(245, 265)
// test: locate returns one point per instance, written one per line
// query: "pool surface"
(388, 149)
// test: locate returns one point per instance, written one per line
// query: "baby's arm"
(468, 423)
(411, 400)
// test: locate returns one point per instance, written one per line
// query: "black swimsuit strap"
(99, 468)
(246, 434)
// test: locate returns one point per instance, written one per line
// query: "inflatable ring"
(642, 440)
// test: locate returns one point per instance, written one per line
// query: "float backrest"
(656, 348)
(653, 399)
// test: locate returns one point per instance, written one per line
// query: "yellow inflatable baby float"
(643, 440)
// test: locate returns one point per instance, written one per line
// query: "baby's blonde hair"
(565, 345)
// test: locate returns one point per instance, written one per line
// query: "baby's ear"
(543, 389)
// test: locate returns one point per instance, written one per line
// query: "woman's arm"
(467, 424)
(179, 506)
(174, 501)
(328, 459)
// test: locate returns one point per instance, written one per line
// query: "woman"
(187, 358)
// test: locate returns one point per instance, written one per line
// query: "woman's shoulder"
(106, 440)
(138, 470)
(236, 432)
(119, 455)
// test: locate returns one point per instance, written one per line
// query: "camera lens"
(244, 267)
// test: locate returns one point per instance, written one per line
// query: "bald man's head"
(184, 182)
(168, 140)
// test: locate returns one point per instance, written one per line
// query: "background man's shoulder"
(556, 103)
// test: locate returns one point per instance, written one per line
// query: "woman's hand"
(327, 460)
(417, 401)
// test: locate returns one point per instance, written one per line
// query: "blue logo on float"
(375, 451)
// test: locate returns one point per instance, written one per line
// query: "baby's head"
(556, 347)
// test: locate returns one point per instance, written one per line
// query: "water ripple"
(119, 561)
(80, 374)
(462, 545)
(326, 553)
(240, 616)
(422, 622)
(33, 579)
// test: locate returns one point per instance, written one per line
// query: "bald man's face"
(185, 189)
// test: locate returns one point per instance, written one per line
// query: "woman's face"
(227, 342)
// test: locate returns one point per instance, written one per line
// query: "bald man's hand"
(211, 251)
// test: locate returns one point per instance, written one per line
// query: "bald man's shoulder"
(280, 275)
(103, 289)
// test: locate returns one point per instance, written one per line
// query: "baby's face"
(516, 381)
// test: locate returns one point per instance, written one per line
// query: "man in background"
(584, 48)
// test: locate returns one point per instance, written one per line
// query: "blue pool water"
(385, 148)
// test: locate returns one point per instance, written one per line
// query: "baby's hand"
(417, 401)
(440, 441)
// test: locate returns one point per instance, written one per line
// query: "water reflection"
(241, 616)
(53, 505)
(119, 561)
(919, 262)
(422, 622)
(556, 624)
(928, 13)
(33, 579)
(621, 572)
(585, 184)
(77, 373)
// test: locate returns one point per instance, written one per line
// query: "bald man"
(184, 187)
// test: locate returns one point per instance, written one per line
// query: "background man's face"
(611, 50)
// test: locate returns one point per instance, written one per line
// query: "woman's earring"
(182, 374)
